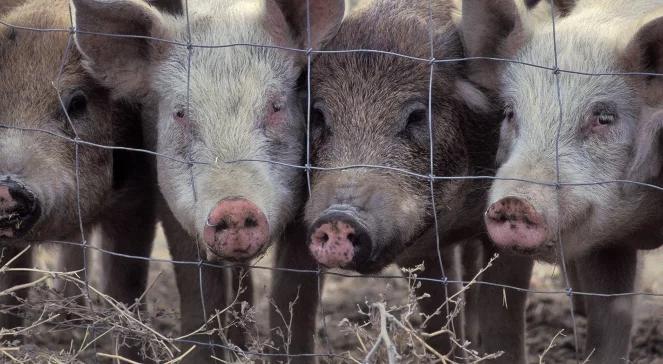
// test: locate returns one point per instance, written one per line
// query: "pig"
(597, 129)
(48, 101)
(373, 109)
(241, 117)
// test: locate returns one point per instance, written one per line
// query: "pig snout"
(514, 223)
(19, 209)
(236, 229)
(338, 240)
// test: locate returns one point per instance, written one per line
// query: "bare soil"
(547, 314)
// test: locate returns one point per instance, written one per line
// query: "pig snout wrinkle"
(336, 239)
(19, 209)
(236, 229)
(514, 223)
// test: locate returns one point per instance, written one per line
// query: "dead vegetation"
(378, 321)
(93, 324)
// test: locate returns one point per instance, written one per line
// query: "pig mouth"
(546, 252)
(239, 255)
(15, 224)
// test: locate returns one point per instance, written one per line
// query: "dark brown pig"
(373, 109)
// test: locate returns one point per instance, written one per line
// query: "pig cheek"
(276, 120)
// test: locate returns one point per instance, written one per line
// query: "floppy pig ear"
(486, 26)
(325, 18)
(120, 63)
(7, 5)
(644, 53)
(174, 7)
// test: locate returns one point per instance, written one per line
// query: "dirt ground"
(547, 314)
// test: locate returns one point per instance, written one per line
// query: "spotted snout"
(514, 223)
(236, 229)
(338, 240)
(19, 209)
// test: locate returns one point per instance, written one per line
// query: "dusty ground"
(547, 314)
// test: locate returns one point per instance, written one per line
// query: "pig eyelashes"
(600, 122)
(602, 117)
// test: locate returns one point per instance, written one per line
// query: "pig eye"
(317, 119)
(76, 104)
(416, 118)
(508, 113)
(180, 117)
(277, 106)
(605, 119)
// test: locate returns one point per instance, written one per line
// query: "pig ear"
(325, 18)
(174, 7)
(473, 97)
(644, 53)
(120, 63)
(8, 5)
(489, 29)
(646, 165)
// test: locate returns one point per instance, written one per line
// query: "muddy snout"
(236, 229)
(19, 209)
(514, 223)
(339, 240)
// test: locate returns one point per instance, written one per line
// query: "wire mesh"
(308, 167)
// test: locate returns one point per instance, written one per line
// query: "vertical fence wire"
(79, 214)
(560, 243)
(431, 156)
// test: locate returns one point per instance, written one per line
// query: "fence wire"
(308, 168)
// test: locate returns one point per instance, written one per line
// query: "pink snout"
(332, 243)
(236, 229)
(514, 223)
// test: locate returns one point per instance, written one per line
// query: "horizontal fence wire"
(309, 167)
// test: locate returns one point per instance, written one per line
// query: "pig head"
(564, 156)
(371, 112)
(47, 100)
(229, 119)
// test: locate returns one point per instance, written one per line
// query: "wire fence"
(309, 167)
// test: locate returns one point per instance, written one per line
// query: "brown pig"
(373, 109)
(47, 102)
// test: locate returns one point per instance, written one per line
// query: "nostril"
(250, 222)
(222, 225)
(353, 239)
(324, 238)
